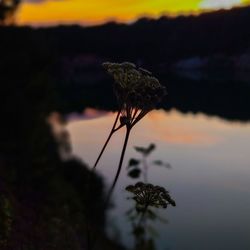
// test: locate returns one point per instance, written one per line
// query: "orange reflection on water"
(172, 132)
(172, 127)
(176, 128)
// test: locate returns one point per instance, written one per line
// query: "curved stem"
(145, 169)
(119, 166)
(139, 117)
(142, 216)
(113, 130)
(134, 115)
(142, 223)
(122, 125)
(90, 244)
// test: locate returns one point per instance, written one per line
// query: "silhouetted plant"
(137, 92)
(147, 197)
(6, 220)
(136, 167)
(7, 10)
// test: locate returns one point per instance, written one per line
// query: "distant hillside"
(165, 40)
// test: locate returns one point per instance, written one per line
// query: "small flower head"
(136, 89)
(125, 74)
(146, 195)
(148, 93)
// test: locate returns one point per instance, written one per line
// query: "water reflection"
(210, 178)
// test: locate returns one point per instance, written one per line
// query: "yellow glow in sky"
(49, 12)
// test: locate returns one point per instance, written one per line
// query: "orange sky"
(49, 12)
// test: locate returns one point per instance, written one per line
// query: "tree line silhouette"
(164, 40)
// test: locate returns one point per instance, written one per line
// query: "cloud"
(217, 4)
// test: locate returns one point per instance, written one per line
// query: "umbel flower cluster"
(137, 91)
(148, 195)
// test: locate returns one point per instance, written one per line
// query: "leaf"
(134, 173)
(158, 217)
(130, 211)
(162, 219)
(158, 162)
(139, 208)
(151, 148)
(133, 162)
(152, 231)
(140, 150)
(138, 231)
(146, 151)
(162, 164)
(167, 165)
(172, 202)
(154, 216)
(151, 215)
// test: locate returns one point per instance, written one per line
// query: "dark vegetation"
(43, 198)
(139, 168)
(141, 216)
(7, 10)
(150, 41)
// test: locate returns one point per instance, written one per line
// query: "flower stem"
(141, 220)
(90, 245)
(120, 165)
(145, 169)
(113, 130)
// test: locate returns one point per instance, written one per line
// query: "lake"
(209, 178)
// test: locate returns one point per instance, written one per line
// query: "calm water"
(209, 178)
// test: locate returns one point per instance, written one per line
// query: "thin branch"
(113, 130)
(134, 115)
(139, 117)
(119, 166)
(121, 126)
(142, 215)
(145, 169)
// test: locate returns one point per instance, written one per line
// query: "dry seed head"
(136, 88)
(146, 195)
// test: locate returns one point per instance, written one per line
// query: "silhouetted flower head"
(125, 74)
(136, 89)
(147, 195)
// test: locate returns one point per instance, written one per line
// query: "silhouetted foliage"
(7, 10)
(147, 197)
(146, 151)
(152, 41)
(136, 167)
(43, 198)
(137, 93)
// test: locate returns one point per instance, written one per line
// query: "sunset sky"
(51, 12)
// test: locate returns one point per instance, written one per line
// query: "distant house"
(191, 63)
